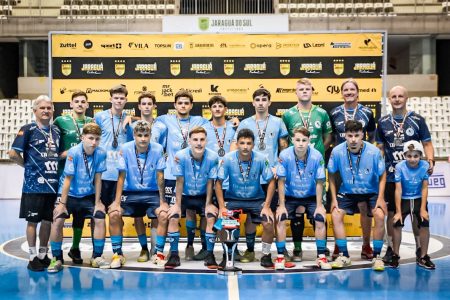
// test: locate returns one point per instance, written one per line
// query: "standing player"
(36, 148)
(352, 110)
(140, 187)
(113, 135)
(411, 193)
(301, 175)
(316, 120)
(80, 191)
(195, 170)
(361, 168)
(71, 127)
(244, 169)
(392, 132)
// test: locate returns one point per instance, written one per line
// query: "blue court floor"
(409, 281)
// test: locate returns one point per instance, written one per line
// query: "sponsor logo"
(313, 45)
(88, 44)
(94, 69)
(368, 45)
(66, 67)
(163, 46)
(91, 90)
(436, 181)
(214, 90)
(255, 68)
(135, 46)
(223, 45)
(146, 69)
(341, 45)
(285, 66)
(333, 89)
(238, 91)
(311, 68)
(206, 112)
(237, 112)
(365, 68)
(166, 90)
(68, 45)
(284, 91)
(119, 67)
(175, 67)
(203, 23)
(228, 67)
(112, 46)
(410, 132)
(287, 45)
(338, 66)
(261, 46)
(281, 111)
(178, 46)
(201, 45)
(195, 91)
(202, 68)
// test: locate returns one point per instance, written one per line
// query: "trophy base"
(231, 271)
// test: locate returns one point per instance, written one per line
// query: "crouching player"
(140, 187)
(301, 175)
(80, 192)
(195, 169)
(362, 170)
(411, 193)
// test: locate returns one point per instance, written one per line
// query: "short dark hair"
(142, 126)
(261, 92)
(184, 93)
(118, 89)
(217, 99)
(246, 133)
(353, 126)
(301, 130)
(146, 95)
(197, 129)
(78, 93)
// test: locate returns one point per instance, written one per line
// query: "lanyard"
(358, 160)
(348, 116)
(78, 131)
(115, 134)
(241, 169)
(398, 128)
(305, 121)
(220, 142)
(263, 133)
(301, 171)
(141, 168)
(48, 136)
(184, 133)
(86, 163)
(193, 165)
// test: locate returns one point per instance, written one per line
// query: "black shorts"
(250, 207)
(309, 203)
(81, 207)
(274, 202)
(170, 192)
(389, 196)
(36, 207)
(349, 202)
(139, 204)
(195, 203)
(108, 194)
(412, 207)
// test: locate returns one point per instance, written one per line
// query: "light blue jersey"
(83, 175)
(300, 179)
(142, 176)
(411, 178)
(196, 173)
(157, 127)
(362, 175)
(174, 136)
(103, 119)
(245, 185)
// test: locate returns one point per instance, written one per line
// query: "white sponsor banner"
(439, 182)
(226, 23)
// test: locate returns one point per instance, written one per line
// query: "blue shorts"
(412, 207)
(197, 203)
(251, 207)
(108, 193)
(138, 204)
(349, 202)
(292, 203)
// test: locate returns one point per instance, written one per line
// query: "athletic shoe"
(117, 261)
(173, 261)
(35, 265)
(266, 261)
(341, 262)
(366, 252)
(248, 257)
(210, 261)
(418, 254)
(237, 255)
(327, 252)
(45, 262)
(189, 253)
(201, 255)
(394, 261)
(288, 256)
(158, 259)
(222, 263)
(388, 256)
(298, 255)
(100, 262)
(55, 266)
(322, 262)
(335, 252)
(279, 262)
(144, 256)
(75, 255)
(425, 262)
(378, 264)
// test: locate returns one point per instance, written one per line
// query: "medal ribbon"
(358, 160)
(141, 168)
(241, 169)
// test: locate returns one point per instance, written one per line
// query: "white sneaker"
(322, 262)
(117, 261)
(158, 259)
(100, 262)
(377, 264)
(279, 262)
(341, 262)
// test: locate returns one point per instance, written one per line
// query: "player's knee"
(99, 215)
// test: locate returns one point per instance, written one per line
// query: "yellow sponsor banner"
(234, 90)
(217, 45)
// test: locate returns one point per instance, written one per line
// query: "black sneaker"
(75, 255)
(388, 256)
(201, 255)
(45, 262)
(173, 261)
(395, 261)
(222, 263)
(35, 265)
(210, 261)
(425, 262)
(266, 261)
(327, 252)
(418, 254)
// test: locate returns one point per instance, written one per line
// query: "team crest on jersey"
(70, 158)
(317, 124)
(410, 132)
(366, 171)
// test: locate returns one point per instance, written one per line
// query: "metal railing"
(193, 7)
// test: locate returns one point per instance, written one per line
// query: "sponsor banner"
(234, 90)
(217, 45)
(225, 23)
(439, 182)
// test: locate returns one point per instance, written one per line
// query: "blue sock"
(203, 239)
(250, 238)
(342, 245)
(190, 228)
(321, 246)
(56, 249)
(160, 243)
(377, 246)
(143, 241)
(98, 247)
(281, 245)
(210, 241)
(116, 242)
(174, 237)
